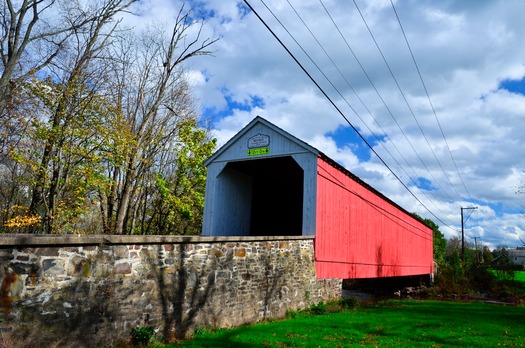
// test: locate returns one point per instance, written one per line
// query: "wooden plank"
(359, 234)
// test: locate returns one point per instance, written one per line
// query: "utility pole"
(463, 232)
(481, 248)
(476, 245)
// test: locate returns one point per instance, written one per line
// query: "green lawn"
(389, 324)
(520, 276)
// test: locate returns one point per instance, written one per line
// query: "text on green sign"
(259, 151)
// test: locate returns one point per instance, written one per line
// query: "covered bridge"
(266, 182)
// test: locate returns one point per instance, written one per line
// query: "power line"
(392, 217)
(329, 99)
(384, 102)
(391, 114)
(367, 109)
(429, 100)
(463, 230)
(405, 99)
(437, 182)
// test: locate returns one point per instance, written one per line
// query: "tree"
(439, 243)
(180, 205)
(152, 96)
(33, 35)
(68, 126)
(71, 141)
(15, 186)
(42, 29)
(109, 140)
(487, 255)
(14, 121)
(501, 256)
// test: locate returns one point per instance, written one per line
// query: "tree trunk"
(123, 202)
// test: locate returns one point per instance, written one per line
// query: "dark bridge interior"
(277, 195)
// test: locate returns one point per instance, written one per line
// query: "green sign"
(259, 151)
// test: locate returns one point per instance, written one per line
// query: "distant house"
(517, 256)
(266, 182)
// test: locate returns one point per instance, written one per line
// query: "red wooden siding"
(360, 234)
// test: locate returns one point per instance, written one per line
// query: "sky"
(436, 90)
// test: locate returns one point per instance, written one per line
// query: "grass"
(394, 323)
(516, 276)
(519, 276)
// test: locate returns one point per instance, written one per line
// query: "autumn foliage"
(104, 135)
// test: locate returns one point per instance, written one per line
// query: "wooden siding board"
(280, 145)
(361, 235)
(308, 163)
(212, 173)
(225, 152)
(231, 203)
(226, 210)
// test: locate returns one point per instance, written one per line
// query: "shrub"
(349, 302)
(319, 308)
(335, 306)
(481, 279)
(6, 341)
(141, 336)
(291, 314)
(505, 273)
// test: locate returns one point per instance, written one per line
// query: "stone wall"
(92, 290)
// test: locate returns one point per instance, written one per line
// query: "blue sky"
(465, 148)
(514, 86)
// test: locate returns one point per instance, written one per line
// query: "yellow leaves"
(21, 219)
(66, 214)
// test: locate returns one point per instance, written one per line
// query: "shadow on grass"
(396, 323)
(225, 340)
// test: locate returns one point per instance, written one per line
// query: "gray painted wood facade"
(232, 179)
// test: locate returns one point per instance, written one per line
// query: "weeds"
(335, 306)
(142, 336)
(6, 341)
